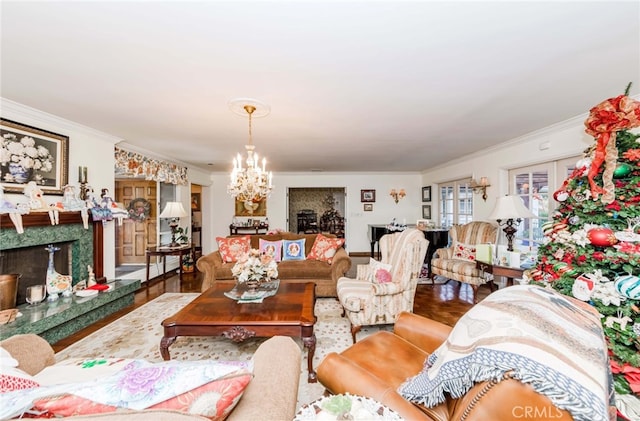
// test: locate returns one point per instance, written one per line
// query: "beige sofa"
(271, 394)
(325, 275)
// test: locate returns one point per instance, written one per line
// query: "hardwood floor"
(444, 303)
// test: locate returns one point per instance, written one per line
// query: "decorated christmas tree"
(591, 249)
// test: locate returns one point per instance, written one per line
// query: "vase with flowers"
(22, 157)
(254, 268)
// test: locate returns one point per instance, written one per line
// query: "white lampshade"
(173, 210)
(510, 207)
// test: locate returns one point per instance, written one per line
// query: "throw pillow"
(293, 249)
(12, 378)
(324, 248)
(206, 388)
(214, 400)
(463, 251)
(274, 248)
(380, 272)
(231, 248)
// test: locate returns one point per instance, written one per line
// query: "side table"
(165, 251)
(497, 270)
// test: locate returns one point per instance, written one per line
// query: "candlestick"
(82, 174)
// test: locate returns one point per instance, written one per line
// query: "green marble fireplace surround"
(81, 247)
(58, 319)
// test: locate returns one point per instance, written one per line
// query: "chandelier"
(250, 183)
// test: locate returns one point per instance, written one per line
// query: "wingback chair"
(366, 300)
(454, 262)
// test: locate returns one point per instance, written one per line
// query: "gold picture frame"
(251, 208)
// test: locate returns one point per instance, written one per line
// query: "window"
(536, 184)
(456, 202)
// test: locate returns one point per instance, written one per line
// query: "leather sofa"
(325, 275)
(271, 394)
(377, 365)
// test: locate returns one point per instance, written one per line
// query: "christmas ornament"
(574, 220)
(561, 195)
(583, 288)
(579, 197)
(622, 170)
(628, 285)
(601, 237)
(583, 163)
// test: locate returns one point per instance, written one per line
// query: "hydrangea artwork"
(255, 267)
(22, 154)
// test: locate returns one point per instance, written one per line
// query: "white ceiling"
(353, 86)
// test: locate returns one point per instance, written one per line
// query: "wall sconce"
(397, 195)
(481, 186)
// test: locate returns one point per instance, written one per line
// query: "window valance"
(135, 164)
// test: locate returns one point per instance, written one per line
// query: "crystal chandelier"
(251, 183)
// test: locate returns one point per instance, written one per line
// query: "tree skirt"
(138, 335)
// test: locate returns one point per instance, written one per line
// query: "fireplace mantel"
(41, 219)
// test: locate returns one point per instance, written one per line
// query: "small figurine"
(91, 281)
(116, 211)
(71, 202)
(15, 211)
(37, 203)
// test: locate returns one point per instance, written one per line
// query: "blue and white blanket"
(543, 338)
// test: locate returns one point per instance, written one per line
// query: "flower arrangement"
(24, 153)
(254, 266)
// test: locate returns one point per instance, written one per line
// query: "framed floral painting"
(31, 154)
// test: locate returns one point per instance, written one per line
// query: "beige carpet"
(138, 334)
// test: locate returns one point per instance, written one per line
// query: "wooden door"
(133, 236)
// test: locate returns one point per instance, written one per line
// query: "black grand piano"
(438, 238)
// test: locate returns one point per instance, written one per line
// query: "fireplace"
(31, 263)
(25, 254)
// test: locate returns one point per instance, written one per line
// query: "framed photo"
(422, 224)
(32, 155)
(251, 208)
(426, 194)
(426, 211)
(368, 207)
(368, 196)
(195, 201)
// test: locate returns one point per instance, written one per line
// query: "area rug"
(138, 334)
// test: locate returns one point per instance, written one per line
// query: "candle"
(36, 294)
(82, 174)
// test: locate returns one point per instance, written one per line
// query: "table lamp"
(175, 211)
(512, 211)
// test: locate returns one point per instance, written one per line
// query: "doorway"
(140, 230)
(317, 209)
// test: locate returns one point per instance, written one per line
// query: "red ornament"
(601, 237)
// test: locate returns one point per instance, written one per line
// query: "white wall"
(384, 209)
(555, 142)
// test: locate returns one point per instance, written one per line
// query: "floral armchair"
(458, 260)
(382, 290)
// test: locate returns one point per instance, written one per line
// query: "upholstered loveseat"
(325, 275)
(270, 395)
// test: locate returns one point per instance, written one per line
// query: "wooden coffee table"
(288, 313)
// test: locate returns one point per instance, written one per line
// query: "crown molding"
(10, 108)
(554, 128)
